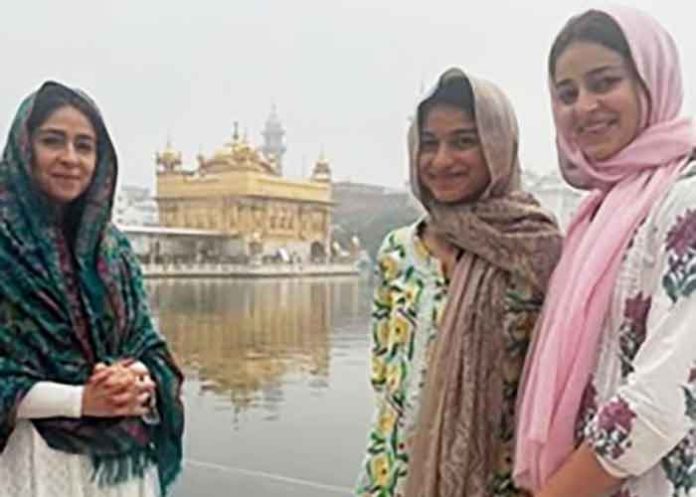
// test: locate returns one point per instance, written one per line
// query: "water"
(277, 395)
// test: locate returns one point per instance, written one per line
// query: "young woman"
(609, 401)
(457, 297)
(89, 394)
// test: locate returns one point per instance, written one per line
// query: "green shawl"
(67, 305)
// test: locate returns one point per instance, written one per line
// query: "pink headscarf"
(627, 186)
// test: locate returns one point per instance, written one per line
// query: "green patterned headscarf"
(68, 302)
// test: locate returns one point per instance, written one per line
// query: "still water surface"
(277, 393)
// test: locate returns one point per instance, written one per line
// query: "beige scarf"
(457, 447)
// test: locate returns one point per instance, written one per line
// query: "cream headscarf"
(504, 232)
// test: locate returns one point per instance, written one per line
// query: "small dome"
(169, 159)
(322, 169)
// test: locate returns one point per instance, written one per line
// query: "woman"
(610, 401)
(456, 299)
(89, 394)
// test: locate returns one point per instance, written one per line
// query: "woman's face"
(598, 104)
(451, 164)
(64, 155)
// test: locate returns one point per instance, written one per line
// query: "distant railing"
(213, 270)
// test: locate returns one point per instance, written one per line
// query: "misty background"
(344, 75)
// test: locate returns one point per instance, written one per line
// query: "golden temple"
(240, 191)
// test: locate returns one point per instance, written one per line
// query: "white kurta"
(30, 468)
(639, 411)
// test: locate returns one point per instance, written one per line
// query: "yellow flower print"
(401, 329)
(378, 369)
(382, 329)
(386, 421)
(379, 467)
(389, 267)
(420, 250)
(383, 296)
(412, 293)
(394, 377)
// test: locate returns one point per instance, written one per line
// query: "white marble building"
(135, 206)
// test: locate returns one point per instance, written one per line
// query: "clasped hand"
(123, 389)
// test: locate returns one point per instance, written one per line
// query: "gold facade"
(239, 192)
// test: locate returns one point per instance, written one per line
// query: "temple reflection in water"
(245, 338)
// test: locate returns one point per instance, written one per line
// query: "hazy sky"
(345, 75)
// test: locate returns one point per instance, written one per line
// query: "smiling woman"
(456, 300)
(599, 99)
(608, 405)
(599, 94)
(89, 394)
(65, 154)
(451, 165)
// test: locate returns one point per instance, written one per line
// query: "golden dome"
(223, 153)
(238, 153)
(169, 159)
(322, 169)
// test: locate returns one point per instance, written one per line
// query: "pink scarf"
(628, 185)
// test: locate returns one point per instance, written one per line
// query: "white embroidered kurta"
(30, 468)
(639, 411)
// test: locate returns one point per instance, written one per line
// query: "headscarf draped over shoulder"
(68, 302)
(625, 187)
(503, 234)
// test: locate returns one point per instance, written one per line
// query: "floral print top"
(639, 410)
(409, 302)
